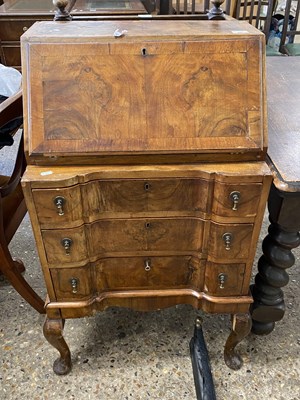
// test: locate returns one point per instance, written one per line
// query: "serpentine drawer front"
(155, 194)
(110, 228)
(103, 199)
(111, 274)
(123, 235)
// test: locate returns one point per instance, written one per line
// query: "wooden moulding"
(149, 300)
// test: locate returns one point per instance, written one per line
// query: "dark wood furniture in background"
(154, 196)
(259, 14)
(186, 7)
(283, 91)
(12, 205)
(16, 16)
(254, 11)
(289, 33)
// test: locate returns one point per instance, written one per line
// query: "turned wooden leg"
(241, 326)
(268, 305)
(283, 236)
(53, 329)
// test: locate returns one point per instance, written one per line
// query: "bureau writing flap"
(185, 91)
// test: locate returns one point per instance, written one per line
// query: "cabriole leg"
(241, 326)
(53, 329)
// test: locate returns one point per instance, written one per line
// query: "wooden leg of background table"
(12, 271)
(268, 306)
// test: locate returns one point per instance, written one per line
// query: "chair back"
(12, 210)
(178, 7)
(256, 12)
(289, 29)
(184, 6)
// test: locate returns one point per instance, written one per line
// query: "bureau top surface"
(162, 88)
(103, 31)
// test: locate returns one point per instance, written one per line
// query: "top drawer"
(67, 197)
(73, 206)
(145, 93)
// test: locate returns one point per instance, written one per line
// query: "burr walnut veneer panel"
(159, 89)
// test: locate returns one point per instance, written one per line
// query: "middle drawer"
(106, 237)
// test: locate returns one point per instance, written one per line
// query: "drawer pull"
(227, 237)
(74, 284)
(235, 197)
(59, 202)
(67, 243)
(222, 278)
(147, 265)
(25, 28)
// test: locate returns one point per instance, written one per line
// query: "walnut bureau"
(146, 181)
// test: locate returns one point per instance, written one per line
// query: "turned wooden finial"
(61, 14)
(216, 12)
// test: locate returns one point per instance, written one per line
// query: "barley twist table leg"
(268, 306)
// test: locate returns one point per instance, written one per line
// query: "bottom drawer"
(149, 273)
(224, 279)
(137, 273)
(130, 273)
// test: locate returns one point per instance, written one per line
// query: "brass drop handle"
(147, 265)
(67, 243)
(74, 284)
(235, 197)
(227, 238)
(59, 202)
(222, 278)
